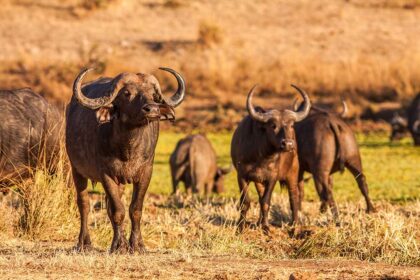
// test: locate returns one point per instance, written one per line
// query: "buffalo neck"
(260, 140)
(128, 142)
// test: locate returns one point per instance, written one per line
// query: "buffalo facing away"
(193, 162)
(111, 134)
(326, 144)
(399, 125)
(263, 151)
(29, 135)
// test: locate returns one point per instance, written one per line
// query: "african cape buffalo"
(264, 151)
(29, 135)
(326, 144)
(111, 135)
(194, 162)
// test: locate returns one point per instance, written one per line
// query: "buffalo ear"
(166, 112)
(105, 114)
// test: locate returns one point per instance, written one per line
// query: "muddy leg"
(244, 203)
(116, 213)
(83, 205)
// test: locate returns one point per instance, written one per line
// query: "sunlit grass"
(392, 169)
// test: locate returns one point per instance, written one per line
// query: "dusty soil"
(28, 260)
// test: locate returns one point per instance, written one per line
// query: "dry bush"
(48, 209)
(209, 33)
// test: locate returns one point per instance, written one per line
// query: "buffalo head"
(134, 99)
(278, 124)
(219, 178)
(399, 127)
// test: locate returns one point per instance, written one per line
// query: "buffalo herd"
(111, 133)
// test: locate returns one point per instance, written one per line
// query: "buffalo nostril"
(150, 109)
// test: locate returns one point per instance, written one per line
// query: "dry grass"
(316, 44)
(190, 226)
(209, 33)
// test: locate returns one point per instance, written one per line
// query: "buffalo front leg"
(136, 211)
(260, 190)
(244, 203)
(301, 188)
(294, 200)
(116, 213)
(265, 203)
(80, 183)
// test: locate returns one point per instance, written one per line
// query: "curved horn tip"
(258, 116)
(177, 98)
(306, 107)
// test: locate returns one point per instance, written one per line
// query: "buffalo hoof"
(266, 229)
(371, 210)
(138, 249)
(120, 248)
(240, 227)
(82, 248)
(323, 208)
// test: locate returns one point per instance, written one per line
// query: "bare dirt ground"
(34, 260)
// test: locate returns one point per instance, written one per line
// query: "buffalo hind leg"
(356, 170)
(322, 182)
(244, 203)
(116, 213)
(136, 211)
(80, 183)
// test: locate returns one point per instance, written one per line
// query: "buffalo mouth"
(152, 116)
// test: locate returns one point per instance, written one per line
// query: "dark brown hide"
(193, 162)
(413, 119)
(399, 127)
(111, 134)
(326, 144)
(263, 151)
(30, 133)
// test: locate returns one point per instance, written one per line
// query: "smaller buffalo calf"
(194, 162)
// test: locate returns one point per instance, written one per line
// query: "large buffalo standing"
(111, 134)
(263, 151)
(326, 144)
(194, 162)
(29, 135)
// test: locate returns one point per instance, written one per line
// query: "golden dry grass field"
(366, 51)
(190, 237)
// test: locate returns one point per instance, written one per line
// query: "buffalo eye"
(126, 93)
(273, 126)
